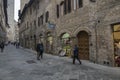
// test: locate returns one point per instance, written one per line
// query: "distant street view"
(59, 39)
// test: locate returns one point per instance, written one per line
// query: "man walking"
(75, 54)
(40, 50)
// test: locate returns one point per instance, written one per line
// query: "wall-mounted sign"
(51, 26)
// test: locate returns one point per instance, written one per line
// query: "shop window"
(49, 43)
(50, 38)
(65, 41)
(116, 36)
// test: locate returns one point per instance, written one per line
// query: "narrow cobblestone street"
(21, 64)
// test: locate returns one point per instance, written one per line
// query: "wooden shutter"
(57, 11)
(65, 6)
(80, 3)
(47, 16)
(69, 6)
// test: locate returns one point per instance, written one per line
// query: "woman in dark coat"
(40, 50)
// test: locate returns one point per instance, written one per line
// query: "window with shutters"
(75, 4)
(69, 6)
(30, 10)
(62, 8)
(47, 16)
(38, 21)
(35, 24)
(65, 6)
(41, 20)
(80, 3)
(27, 25)
(57, 11)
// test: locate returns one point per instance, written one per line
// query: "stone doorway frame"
(84, 57)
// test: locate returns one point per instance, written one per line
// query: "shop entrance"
(49, 43)
(83, 43)
(116, 37)
(65, 41)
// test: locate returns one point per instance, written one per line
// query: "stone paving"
(21, 64)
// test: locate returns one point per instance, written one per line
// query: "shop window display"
(65, 41)
(116, 36)
(49, 44)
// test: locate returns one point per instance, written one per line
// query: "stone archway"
(65, 43)
(83, 43)
(116, 38)
(49, 43)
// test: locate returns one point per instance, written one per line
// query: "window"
(35, 23)
(62, 8)
(75, 4)
(38, 4)
(116, 38)
(27, 25)
(65, 6)
(47, 16)
(30, 10)
(41, 20)
(57, 11)
(80, 3)
(38, 21)
(69, 6)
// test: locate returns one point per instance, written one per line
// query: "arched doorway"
(83, 43)
(65, 42)
(41, 38)
(49, 43)
(116, 37)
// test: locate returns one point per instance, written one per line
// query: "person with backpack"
(40, 50)
(75, 54)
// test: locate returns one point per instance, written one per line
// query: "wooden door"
(83, 43)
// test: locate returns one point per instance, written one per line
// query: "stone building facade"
(3, 20)
(16, 31)
(10, 13)
(23, 2)
(60, 24)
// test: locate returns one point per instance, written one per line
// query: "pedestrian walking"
(17, 44)
(75, 54)
(40, 50)
(2, 45)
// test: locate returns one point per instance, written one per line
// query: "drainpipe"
(96, 23)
